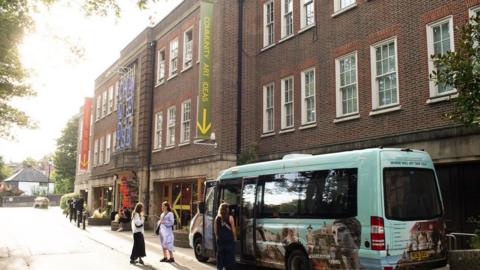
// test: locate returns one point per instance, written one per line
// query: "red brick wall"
(185, 84)
(354, 30)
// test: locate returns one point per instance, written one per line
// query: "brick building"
(180, 165)
(120, 131)
(313, 76)
(328, 76)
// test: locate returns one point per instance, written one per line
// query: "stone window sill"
(385, 110)
(346, 118)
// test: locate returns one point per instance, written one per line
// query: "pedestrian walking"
(138, 250)
(71, 208)
(166, 223)
(225, 235)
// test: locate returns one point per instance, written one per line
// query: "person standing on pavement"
(138, 250)
(225, 235)
(166, 223)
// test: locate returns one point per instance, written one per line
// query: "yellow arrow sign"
(204, 127)
(84, 162)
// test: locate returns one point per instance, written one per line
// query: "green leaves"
(461, 69)
(65, 157)
(15, 22)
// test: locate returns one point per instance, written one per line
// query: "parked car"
(41, 202)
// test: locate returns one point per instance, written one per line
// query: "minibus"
(366, 209)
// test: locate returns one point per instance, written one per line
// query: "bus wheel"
(197, 248)
(298, 260)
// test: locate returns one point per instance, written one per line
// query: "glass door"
(247, 230)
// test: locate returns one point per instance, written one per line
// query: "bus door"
(247, 230)
(229, 192)
(208, 217)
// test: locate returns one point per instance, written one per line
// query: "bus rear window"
(411, 194)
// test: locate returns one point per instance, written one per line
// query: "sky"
(64, 53)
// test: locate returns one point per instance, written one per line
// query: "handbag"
(157, 230)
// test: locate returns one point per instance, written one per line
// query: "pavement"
(38, 239)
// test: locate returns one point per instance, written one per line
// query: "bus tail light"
(377, 233)
(388, 268)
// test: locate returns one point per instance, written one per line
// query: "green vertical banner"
(204, 112)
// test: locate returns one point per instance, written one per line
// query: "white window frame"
(108, 143)
(157, 141)
(104, 103)
(115, 100)
(114, 141)
(171, 118)
(375, 87)
(173, 63)
(95, 153)
(266, 24)
(161, 66)
(98, 113)
(266, 108)
(110, 100)
(285, 15)
(304, 97)
(285, 103)
(101, 158)
(187, 61)
(185, 130)
(431, 68)
(473, 10)
(338, 7)
(303, 14)
(338, 92)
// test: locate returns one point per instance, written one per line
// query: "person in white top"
(166, 223)
(138, 220)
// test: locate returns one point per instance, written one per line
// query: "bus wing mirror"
(201, 207)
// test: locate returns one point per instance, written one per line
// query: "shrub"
(475, 242)
(65, 198)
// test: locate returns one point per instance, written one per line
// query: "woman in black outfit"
(138, 250)
(225, 234)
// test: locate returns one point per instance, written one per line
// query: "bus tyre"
(298, 260)
(197, 249)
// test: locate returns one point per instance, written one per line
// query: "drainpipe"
(239, 77)
(152, 46)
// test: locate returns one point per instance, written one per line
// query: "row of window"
(313, 194)
(173, 62)
(107, 102)
(185, 120)
(103, 148)
(384, 74)
(307, 17)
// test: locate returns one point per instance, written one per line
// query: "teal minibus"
(366, 209)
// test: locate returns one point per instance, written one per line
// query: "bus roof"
(305, 161)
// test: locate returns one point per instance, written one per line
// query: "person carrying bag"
(165, 231)
(138, 250)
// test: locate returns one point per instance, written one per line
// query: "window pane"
(411, 194)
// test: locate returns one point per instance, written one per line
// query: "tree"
(65, 157)
(5, 171)
(461, 69)
(14, 21)
(30, 162)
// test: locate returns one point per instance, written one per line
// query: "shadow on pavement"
(145, 267)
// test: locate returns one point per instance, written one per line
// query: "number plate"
(419, 255)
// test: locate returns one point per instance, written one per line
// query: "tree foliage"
(65, 157)
(461, 69)
(5, 171)
(15, 21)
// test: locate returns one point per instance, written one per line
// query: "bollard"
(84, 218)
